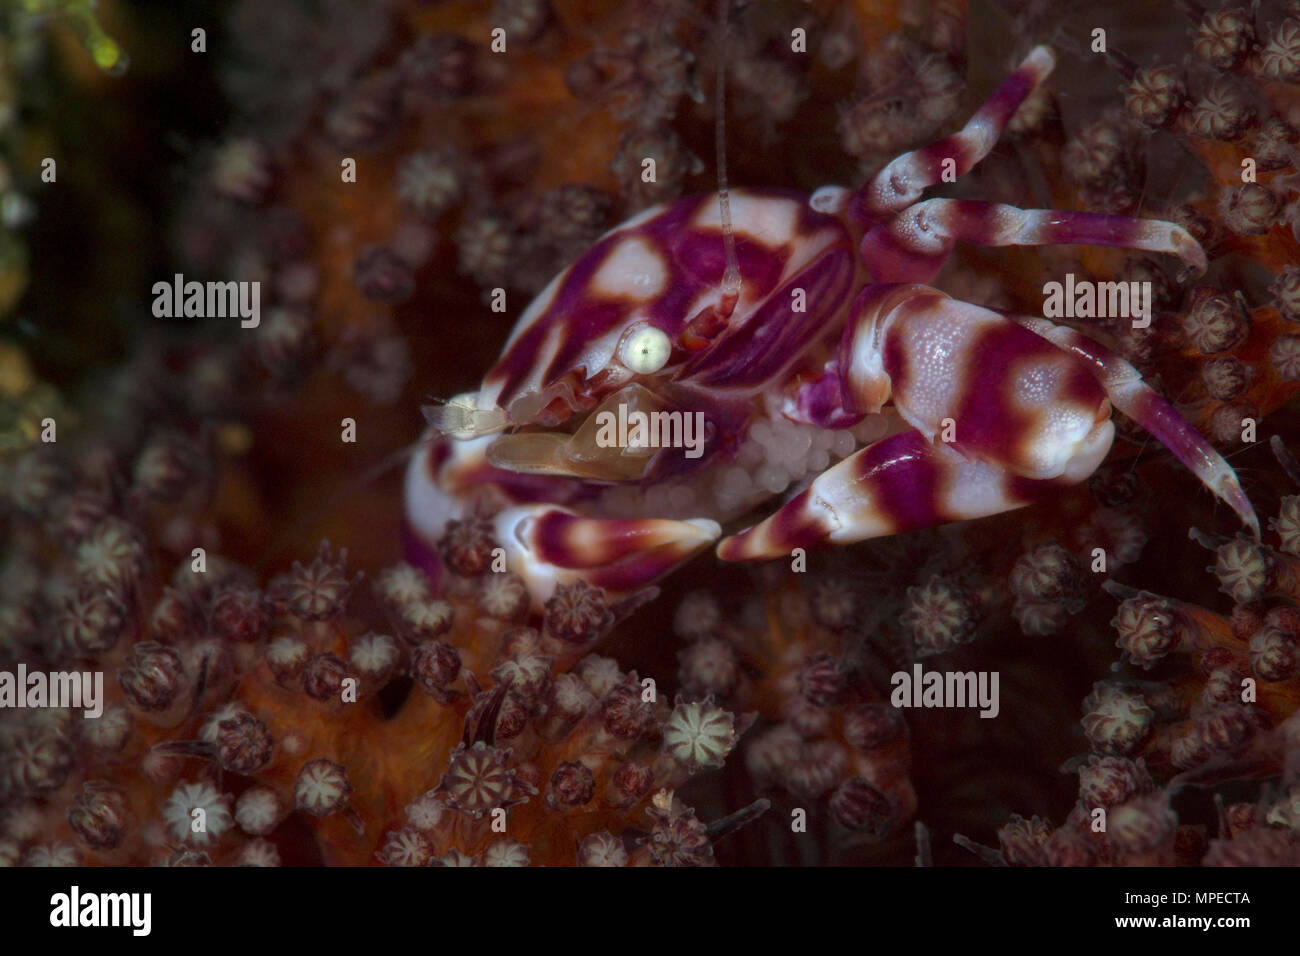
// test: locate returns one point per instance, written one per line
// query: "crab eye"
(646, 350)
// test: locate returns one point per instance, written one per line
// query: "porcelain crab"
(809, 346)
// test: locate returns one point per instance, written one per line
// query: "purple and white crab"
(811, 333)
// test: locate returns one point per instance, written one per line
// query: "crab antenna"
(731, 277)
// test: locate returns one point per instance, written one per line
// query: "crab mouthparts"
(602, 448)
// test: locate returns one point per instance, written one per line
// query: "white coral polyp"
(204, 829)
(602, 849)
(699, 735)
(506, 853)
(321, 787)
(373, 653)
(257, 811)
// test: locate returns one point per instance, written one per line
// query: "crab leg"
(997, 395)
(913, 245)
(1127, 392)
(547, 545)
(969, 376)
(447, 479)
(1010, 398)
(900, 483)
(965, 375)
(901, 182)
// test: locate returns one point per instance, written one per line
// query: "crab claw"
(900, 483)
(547, 545)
